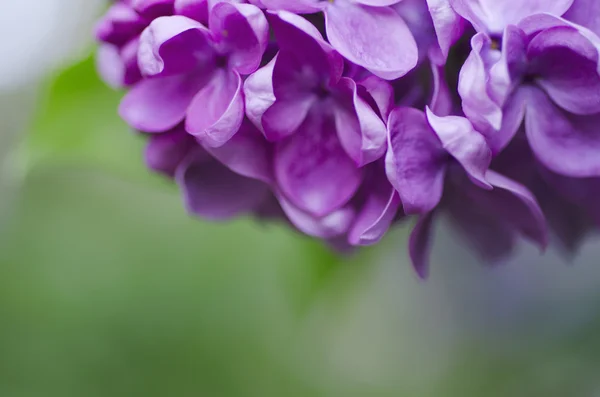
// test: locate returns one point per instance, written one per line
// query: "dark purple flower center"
(221, 61)
(496, 42)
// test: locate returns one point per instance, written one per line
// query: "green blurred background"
(107, 288)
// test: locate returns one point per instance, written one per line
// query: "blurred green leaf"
(77, 123)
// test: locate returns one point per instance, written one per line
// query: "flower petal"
(473, 81)
(194, 9)
(415, 161)
(258, 93)
(585, 13)
(463, 143)
(375, 38)
(153, 8)
(242, 32)
(174, 45)
(214, 192)
(378, 210)
(381, 92)
(360, 130)
(515, 205)
(419, 244)
(566, 63)
(159, 104)
(332, 225)
(565, 143)
(284, 117)
(246, 153)
(296, 6)
(313, 170)
(164, 152)
(490, 238)
(448, 25)
(492, 16)
(119, 25)
(217, 110)
(306, 61)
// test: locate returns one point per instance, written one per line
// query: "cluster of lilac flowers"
(345, 117)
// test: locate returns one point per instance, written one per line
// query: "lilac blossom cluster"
(346, 117)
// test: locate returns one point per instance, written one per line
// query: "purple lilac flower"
(368, 33)
(343, 118)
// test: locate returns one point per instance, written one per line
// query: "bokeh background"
(107, 287)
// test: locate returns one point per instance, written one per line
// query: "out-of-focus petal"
(246, 153)
(329, 226)
(194, 9)
(213, 191)
(567, 144)
(153, 8)
(419, 244)
(164, 152)
(159, 104)
(565, 64)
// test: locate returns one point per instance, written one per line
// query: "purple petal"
(419, 244)
(110, 65)
(285, 116)
(360, 130)
(473, 81)
(448, 25)
(217, 111)
(565, 143)
(465, 144)
(492, 16)
(415, 161)
(377, 3)
(194, 9)
(513, 114)
(296, 6)
(153, 8)
(566, 63)
(515, 205)
(585, 13)
(242, 32)
(375, 38)
(492, 239)
(214, 192)
(381, 92)
(246, 153)
(159, 104)
(313, 170)
(300, 43)
(377, 212)
(119, 25)
(441, 99)
(174, 45)
(258, 93)
(164, 152)
(332, 225)
(535, 24)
